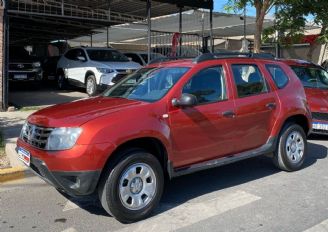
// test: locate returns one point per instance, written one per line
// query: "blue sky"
(219, 4)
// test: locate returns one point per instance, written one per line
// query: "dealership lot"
(248, 196)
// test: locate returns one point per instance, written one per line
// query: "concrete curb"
(18, 169)
(15, 173)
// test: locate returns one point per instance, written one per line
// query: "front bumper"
(72, 183)
(75, 171)
(30, 75)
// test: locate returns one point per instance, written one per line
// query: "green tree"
(262, 9)
(293, 16)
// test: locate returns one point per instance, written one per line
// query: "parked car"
(168, 119)
(93, 68)
(315, 81)
(142, 57)
(23, 66)
(49, 67)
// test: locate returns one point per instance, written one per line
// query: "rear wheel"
(91, 86)
(133, 188)
(292, 147)
(61, 81)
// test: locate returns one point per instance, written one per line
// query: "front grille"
(35, 135)
(320, 116)
(20, 67)
(118, 77)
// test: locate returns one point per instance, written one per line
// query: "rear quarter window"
(278, 75)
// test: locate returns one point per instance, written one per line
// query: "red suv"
(315, 81)
(168, 119)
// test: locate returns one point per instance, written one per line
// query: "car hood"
(317, 99)
(118, 65)
(76, 113)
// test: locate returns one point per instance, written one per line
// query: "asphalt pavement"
(251, 195)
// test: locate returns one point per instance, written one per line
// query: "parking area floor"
(251, 195)
(28, 95)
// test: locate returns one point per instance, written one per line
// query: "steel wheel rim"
(90, 86)
(137, 186)
(295, 147)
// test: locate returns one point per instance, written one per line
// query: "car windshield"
(106, 55)
(312, 77)
(148, 84)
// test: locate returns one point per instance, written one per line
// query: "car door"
(255, 105)
(205, 131)
(78, 67)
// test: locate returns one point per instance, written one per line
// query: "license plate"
(24, 156)
(320, 126)
(20, 77)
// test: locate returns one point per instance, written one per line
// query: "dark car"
(23, 66)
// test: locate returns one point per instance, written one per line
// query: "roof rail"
(164, 59)
(222, 55)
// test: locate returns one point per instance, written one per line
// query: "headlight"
(63, 138)
(105, 70)
(36, 65)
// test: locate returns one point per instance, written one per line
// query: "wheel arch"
(150, 144)
(299, 119)
(87, 74)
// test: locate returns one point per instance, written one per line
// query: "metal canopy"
(40, 21)
(224, 25)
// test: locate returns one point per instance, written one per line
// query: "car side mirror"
(186, 100)
(81, 58)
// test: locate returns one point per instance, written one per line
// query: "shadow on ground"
(183, 189)
(28, 95)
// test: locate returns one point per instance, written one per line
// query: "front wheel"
(292, 148)
(91, 86)
(133, 188)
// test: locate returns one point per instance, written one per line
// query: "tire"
(61, 81)
(126, 182)
(291, 148)
(91, 86)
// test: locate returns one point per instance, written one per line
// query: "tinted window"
(278, 75)
(312, 77)
(249, 80)
(106, 55)
(147, 84)
(134, 58)
(208, 85)
(71, 54)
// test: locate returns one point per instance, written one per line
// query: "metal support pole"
(211, 31)
(107, 40)
(180, 31)
(149, 28)
(245, 23)
(277, 47)
(91, 40)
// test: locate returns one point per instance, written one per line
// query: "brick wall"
(2, 78)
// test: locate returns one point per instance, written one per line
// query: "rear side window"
(71, 54)
(208, 85)
(249, 80)
(278, 75)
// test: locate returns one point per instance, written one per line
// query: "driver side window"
(208, 85)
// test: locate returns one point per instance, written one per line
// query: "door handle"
(229, 114)
(271, 105)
